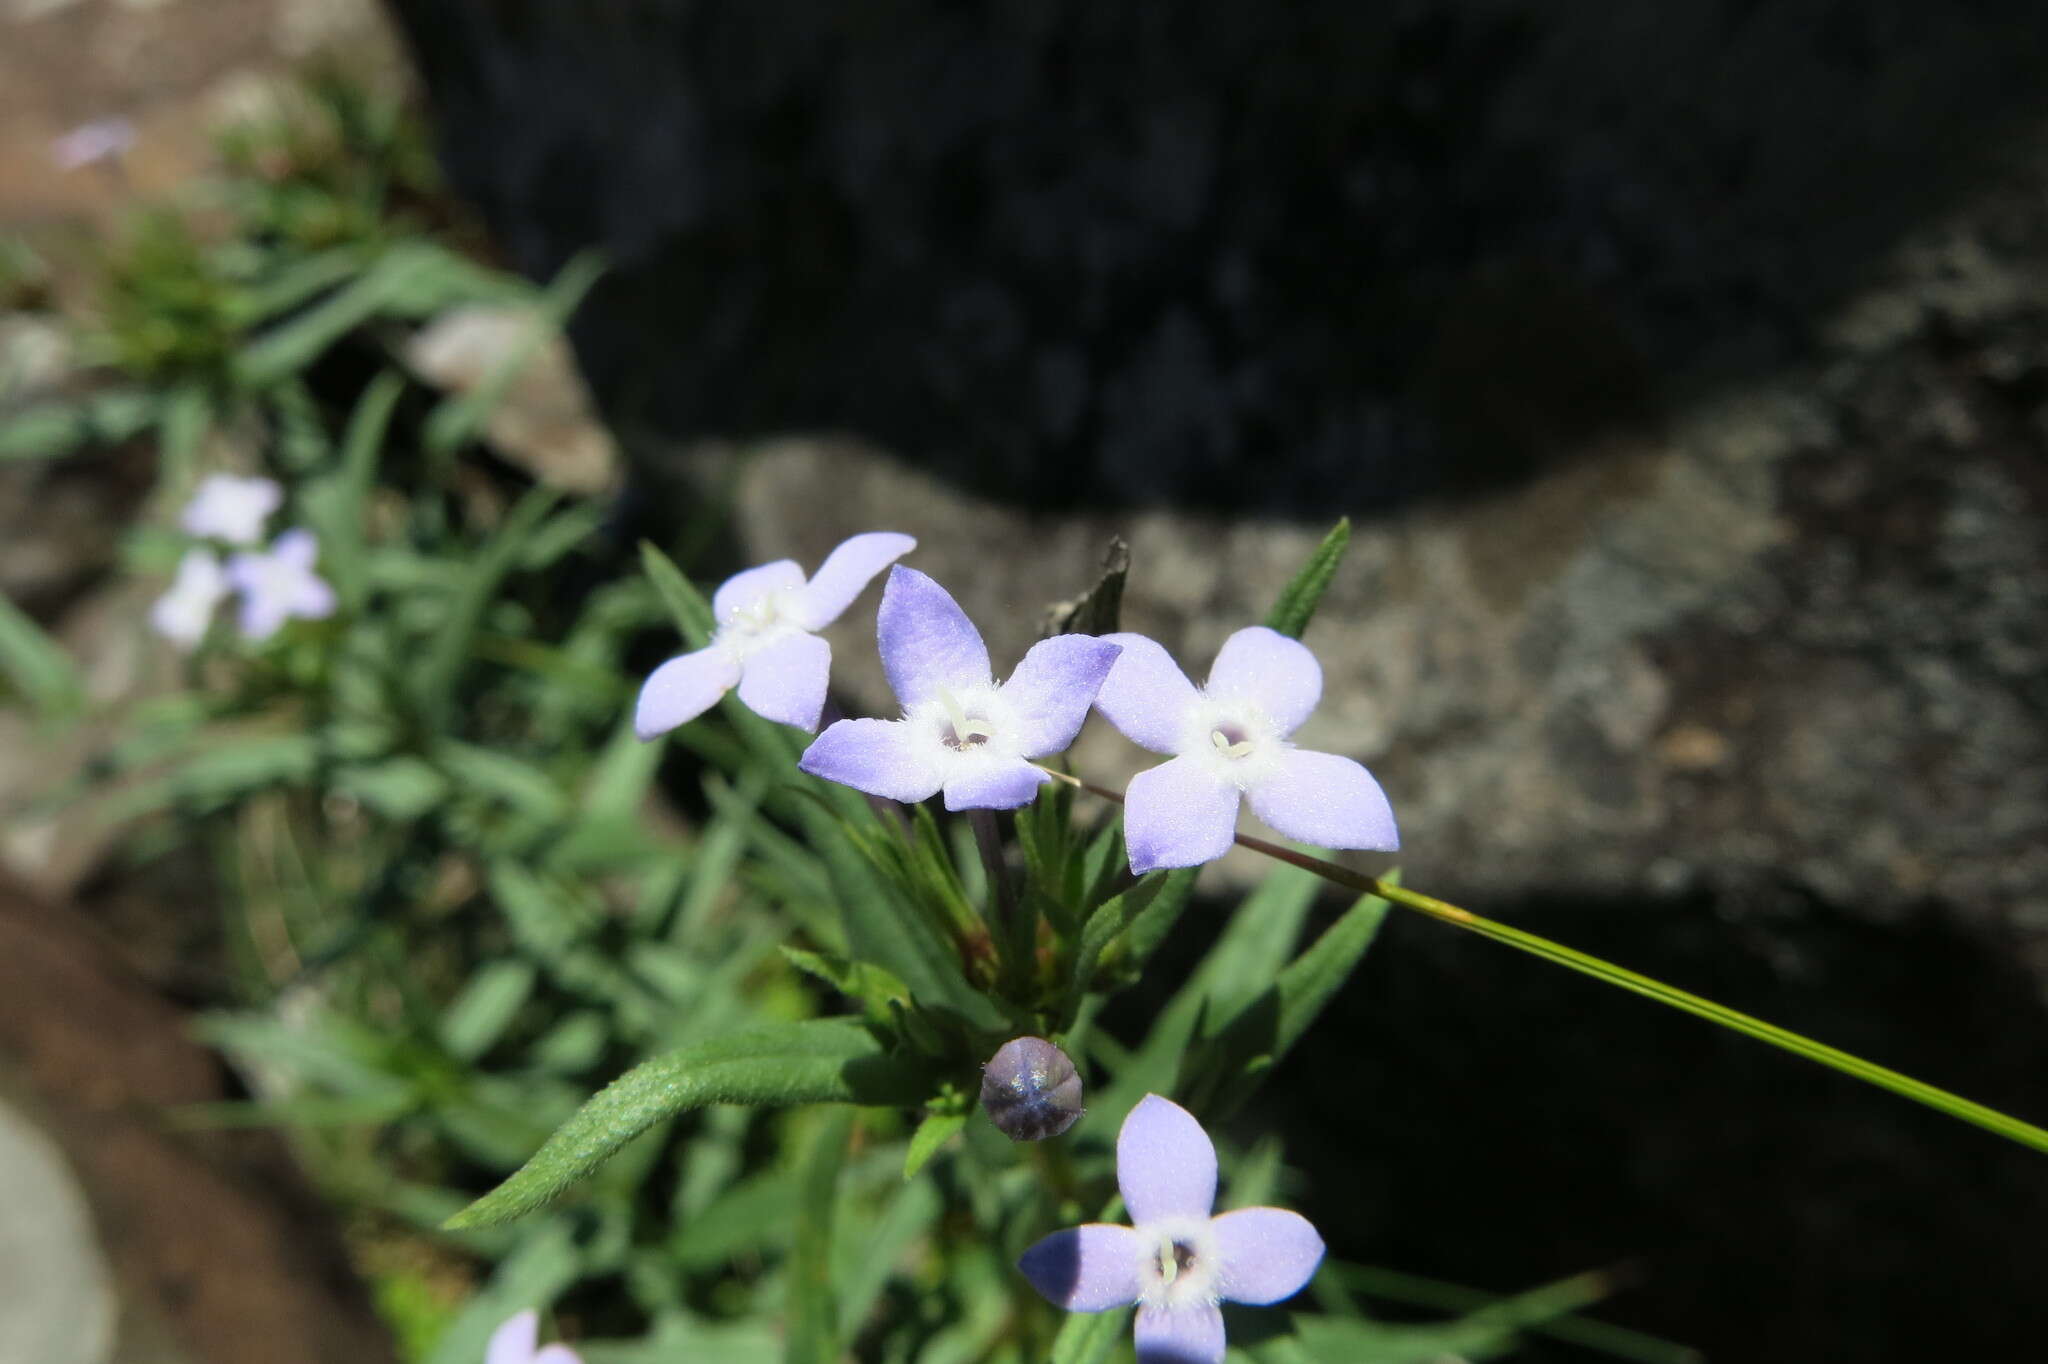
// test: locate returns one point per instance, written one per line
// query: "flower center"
(963, 733)
(1180, 1267)
(1175, 1257)
(1231, 740)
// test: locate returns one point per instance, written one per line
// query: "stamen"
(965, 731)
(1228, 743)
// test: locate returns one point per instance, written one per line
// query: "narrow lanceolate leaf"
(934, 1132)
(1261, 1030)
(813, 1307)
(1090, 1337)
(36, 667)
(1297, 604)
(684, 602)
(441, 670)
(820, 1061)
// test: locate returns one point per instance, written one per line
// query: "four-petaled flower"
(280, 584)
(103, 139)
(765, 642)
(182, 614)
(1174, 1261)
(961, 731)
(515, 1342)
(1229, 740)
(232, 509)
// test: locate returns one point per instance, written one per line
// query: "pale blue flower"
(961, 732)
(233, 509)
(103, 139)
(518, 1342)
(1229, 741)
(182, 614)
(280, 585)
(1175, 1261)
(766, 643)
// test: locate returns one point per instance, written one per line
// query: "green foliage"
(1298, 601)
(490, 948)
(820, 1061)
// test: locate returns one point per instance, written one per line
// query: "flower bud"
(1031, 1090)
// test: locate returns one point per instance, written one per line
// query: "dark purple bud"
(1030, 1090)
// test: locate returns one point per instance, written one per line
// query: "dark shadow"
(1317, 257)
(1471, 1114)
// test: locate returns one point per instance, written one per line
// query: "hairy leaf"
(1297, 604)
(820, 1061)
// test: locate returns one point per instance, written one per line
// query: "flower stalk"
(1932, 1096)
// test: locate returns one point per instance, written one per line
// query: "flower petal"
(682, 689)
(749, 585)
(926, 640)
(183, 613)
(513, 1342)
(1325, 800)
(994, 786)
(1165, 1163)
(262, 614)
(557, 1354)
(845, 572)
(1178, 814)
(1277, 674)
(1267, 1253)
(1086, 1269)
(1053, 687)
(875, 756)
(230, 508)
(1180, 1335)
(785, 682)
(312, 598)
(298, 547)
(1146, 695)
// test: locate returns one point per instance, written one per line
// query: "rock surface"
(213, 1246)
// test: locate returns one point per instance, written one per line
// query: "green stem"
(1869, 1072)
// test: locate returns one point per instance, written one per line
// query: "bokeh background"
(1684, 369)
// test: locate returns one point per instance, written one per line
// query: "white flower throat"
(757, 624)
(1178, 1264)
(1230, 740)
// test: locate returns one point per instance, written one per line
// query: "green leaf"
(335, 506)
(935, 1131)
(187, 416)
(1260, 937)
(401, 788)
(1090, 1337)
(224, 770)
(686, 605)
(502, 777)
(1297, 604)
(1109, 920)
(487, 1005)
(44, 431)
(36, 666)
(461, 416)
(441, 670)
(813, 1309)
(413, 279)
(1152, 922)
(861, 981)
(1312, 980)
(819, 1061)
(544, 919)
(1258, 1032)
